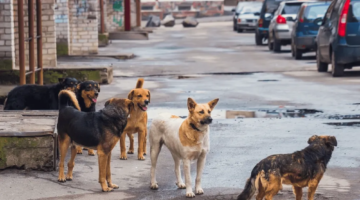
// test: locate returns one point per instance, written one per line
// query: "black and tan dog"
(300, 169)
(38, 97)
(87, 94)
(97, 130)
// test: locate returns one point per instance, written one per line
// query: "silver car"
(248, 16)
(281, 25)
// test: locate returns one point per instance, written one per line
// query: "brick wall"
(48, 33)
(114, 15)
(7, 50)
(83, 24)
(62, 21)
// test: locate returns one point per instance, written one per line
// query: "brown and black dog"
(300, 169)
(96, 130)
(137, 122)
(87, 94)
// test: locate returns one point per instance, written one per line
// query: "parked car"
(282, 23)
(338, 39)
(237, 11)
(267, 11)
(305, 30)
(248, 16)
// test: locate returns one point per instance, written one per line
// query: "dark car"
(305, 30)
(338, 39)
(267, 11)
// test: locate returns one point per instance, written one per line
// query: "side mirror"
(233, 10)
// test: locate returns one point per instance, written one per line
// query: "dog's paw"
(108, 189)
(181, 185)
(79, 151)
(69, 178)
(199, 191)
(123, 157)
(62, 178)
(91, 152)
(154, 186)
(144, 154)
(141, 157)
(190, 195)
(130, 152)
(114, 186)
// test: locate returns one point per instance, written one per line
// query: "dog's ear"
(131, 95)
(108, 102)
(213, 103)
(149, 95)
(61, 80)
(331, 141)
(312, 139)
(78, 86)
(98, 86)
(191, 104)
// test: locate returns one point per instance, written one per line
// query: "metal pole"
(39, 42)
(31, 41)
(21, 42)
(102, 17)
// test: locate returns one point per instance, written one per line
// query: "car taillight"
(260, 22)
(343, 19)
(280, 19)
(239, 20)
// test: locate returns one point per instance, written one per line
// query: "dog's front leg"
(123, 155)
(200, 167)
(312, 186)
(108, 174)
(189, 192)
(141, 140)
(103, 161)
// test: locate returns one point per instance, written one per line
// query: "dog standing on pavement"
(137, 122)
(300, 169)
(87, 94)
(96, 130)
(186, 139)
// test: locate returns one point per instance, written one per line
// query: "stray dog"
(186, 139)
(299, 169)
(97, 130)
(87, 94)
(137, 122)
(38, 97)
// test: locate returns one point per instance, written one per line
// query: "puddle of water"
(268, 80)
(355, 124)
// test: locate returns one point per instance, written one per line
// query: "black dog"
(87, 93)
(97, 130)
(38, 97)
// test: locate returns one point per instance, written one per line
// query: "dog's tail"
(140, 83)
(250, 188)
(68, 98)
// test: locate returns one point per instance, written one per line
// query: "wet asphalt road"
(206, 63)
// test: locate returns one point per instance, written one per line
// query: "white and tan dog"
(186, 139)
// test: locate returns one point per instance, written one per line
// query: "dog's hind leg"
(131, 149)
(91, 152)
(123, 155)
(64, 143)
(155, 149)
(200, 167)
(179, 182)
(79, 150)
(108, 174)
(298, 192)
(71, 163)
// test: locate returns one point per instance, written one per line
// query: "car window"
(250, 9)
(354, 12)
(291, 8)
(271, 6)
(314, 12)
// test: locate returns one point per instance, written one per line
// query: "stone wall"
(114, 15)
(83, 26)
(7, 49)
(62, 26)
(48, 33)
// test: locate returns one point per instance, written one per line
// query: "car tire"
(277, 45)
(321, 66)
(239, 30)
(297, 53)
(258, 39)
(270, 44)
(337, 70)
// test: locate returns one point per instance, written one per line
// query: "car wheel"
(258, 39)
(337, 70)
(239, 30)
(321, 66)
(277, 45)
(298, 53)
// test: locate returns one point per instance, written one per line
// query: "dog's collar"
(194, 127)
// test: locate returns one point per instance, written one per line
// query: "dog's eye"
(139, 95)
(209, 111)
(147, 95)
(201, 112)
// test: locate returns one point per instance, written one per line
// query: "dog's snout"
(96, 93)
(209, 120)
(146, 102)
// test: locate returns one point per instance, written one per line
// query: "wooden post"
(138, 13)
(102, 17)
(127, 15)
(31, 41)
(39, 42)
(21, 42)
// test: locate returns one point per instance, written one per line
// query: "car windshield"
(354, 12)
(240, 6)
(250, 9)
(272, 6)
(291, 8)
(314, 12)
